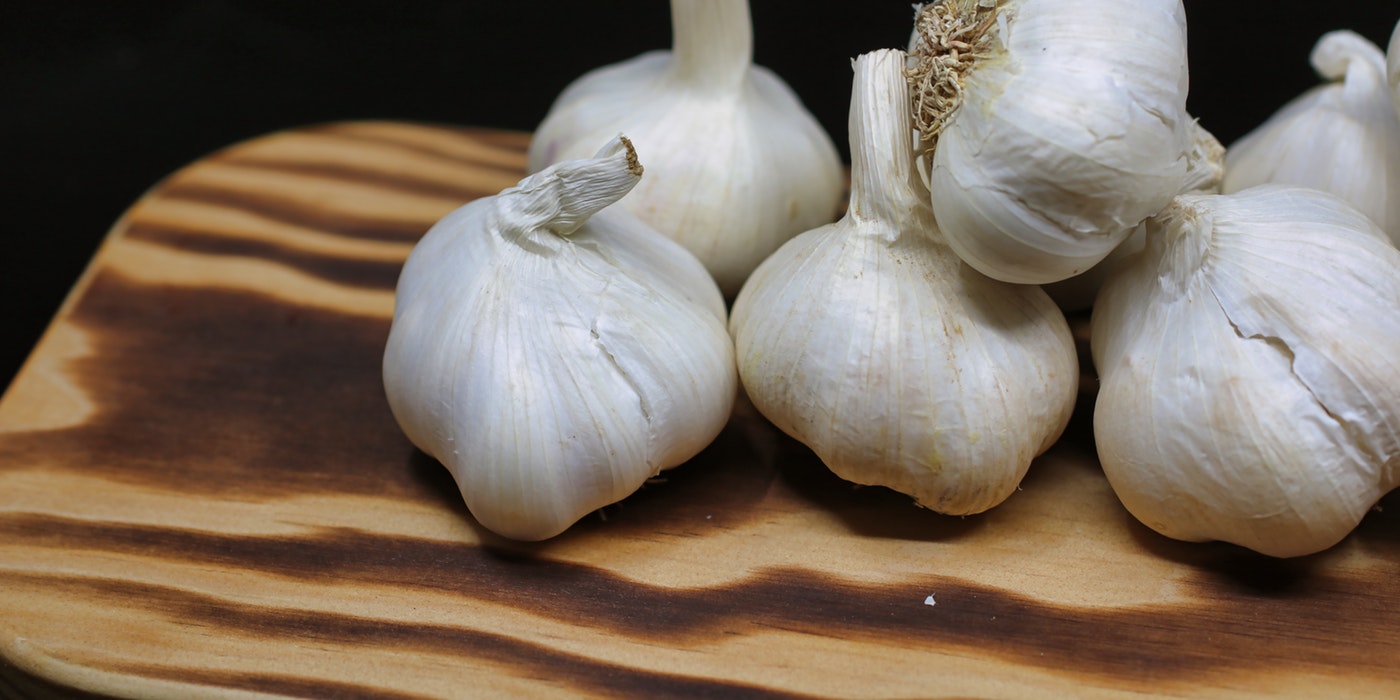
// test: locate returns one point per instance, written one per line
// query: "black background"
(99, 100)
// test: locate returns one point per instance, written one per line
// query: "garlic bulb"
(735, 163)
(1248, 359)
(553, 354)
(1204, 174)
(1341, 137)
(1056, 126)
(898, 365)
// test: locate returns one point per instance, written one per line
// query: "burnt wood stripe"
(398, 180)
(300, 626)
(228, 392)
(509, 143)
(269, 205)
(385, 181)
(276, 684)
(1168, 639)
(347, 271)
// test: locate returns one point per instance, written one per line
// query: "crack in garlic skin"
(1244, 357)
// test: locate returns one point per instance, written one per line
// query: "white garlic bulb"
(1247, 360)
(1204, 175)
(736, 165)
(1341, 137)
(553, 354)
(897, 364)
(1057, 126)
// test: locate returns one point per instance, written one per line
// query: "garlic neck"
(560, 198)
(1334, 52)
(1205, 162)
(883, 181)
(1178, 239)
(1360, 65)
(712, 41)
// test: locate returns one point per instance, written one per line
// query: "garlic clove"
(1341, 137)
(897, 364)
(1243, 359)
(737, 165)
(1055, 132)
(554, 352)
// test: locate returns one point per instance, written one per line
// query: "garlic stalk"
(1247, 360)
(898, 365)
(554, 354)
(736, 164)
(1056, 126)
(1341, 137)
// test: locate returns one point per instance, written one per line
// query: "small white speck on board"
(929, 600)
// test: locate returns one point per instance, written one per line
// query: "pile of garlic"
(555, 352)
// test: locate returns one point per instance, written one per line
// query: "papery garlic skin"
(1341, 137)
(898, 365)
(1247, 362)
(1205, 174)
(736, 165)
(1072, 129)
(553, 354)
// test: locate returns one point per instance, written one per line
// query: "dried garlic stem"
(712, 41)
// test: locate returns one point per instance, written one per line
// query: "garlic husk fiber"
(1341, 137)
(1056, 126)
(736, 165)
(898, 365)
(553, 351)
(1247, 362)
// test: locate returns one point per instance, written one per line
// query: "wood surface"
(203, 494)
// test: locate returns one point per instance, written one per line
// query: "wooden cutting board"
(203, 494)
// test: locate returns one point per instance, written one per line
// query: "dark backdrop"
(100, 99)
